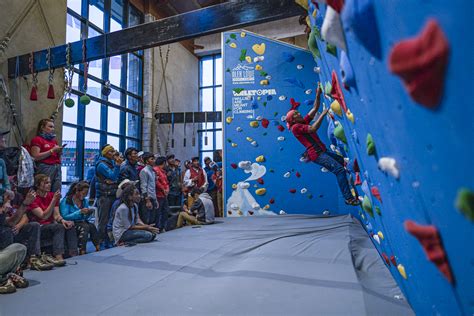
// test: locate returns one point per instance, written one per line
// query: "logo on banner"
(243, 74)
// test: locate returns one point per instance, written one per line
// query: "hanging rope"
(164, 64)
(34, 78)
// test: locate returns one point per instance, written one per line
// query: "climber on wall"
(316, 151)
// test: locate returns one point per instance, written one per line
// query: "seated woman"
(75, 207)
(127, 226)
(45, 211)
(200, 213)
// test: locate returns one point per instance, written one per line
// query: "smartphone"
(64, 145)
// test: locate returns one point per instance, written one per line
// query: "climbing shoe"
(19, 281)
(36, 263)
(353, 202)
(7, 287)
(51, 260)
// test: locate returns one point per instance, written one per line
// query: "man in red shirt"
(316, 151)
(162, 190)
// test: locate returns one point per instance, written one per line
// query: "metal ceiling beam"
(213, 19)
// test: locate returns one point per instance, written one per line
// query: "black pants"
(57, 233)
(29, 235)
(162, 213)
(174, 200)
(84, 230)
(148, 216)
(104, 205)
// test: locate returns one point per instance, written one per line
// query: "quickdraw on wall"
(34, 78)
(68, 75)
(51, 94)
(85, 99)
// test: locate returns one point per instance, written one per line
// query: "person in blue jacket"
(4, 182)
(107, 173)
(75, 207)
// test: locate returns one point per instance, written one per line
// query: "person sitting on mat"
(75, 207)
(200, 213)
(307, 135)
(128, 228)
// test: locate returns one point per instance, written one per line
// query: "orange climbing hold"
(376, 193)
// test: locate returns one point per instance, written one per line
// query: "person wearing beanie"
(162, 190)
(149, 203)
(306, 133)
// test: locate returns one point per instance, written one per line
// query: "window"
(114, 119)
(210, 99)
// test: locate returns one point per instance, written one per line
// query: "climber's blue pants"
(335, 164)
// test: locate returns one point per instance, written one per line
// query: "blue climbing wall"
(433, 149)
(259, 90)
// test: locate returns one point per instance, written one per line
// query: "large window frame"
(213, 130)
(124, 104)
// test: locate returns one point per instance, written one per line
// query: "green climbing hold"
(263, 73)
(271, 170)
(85, 99)
(228, 70)
(331, 49)
(265, 103)
(69, 102)
(370, 145)
(339, 133)
(310, 196)
(228, 41)
(465, 202)
(238, 90)
(228, 110)
(367, 206)
(275, 114)
(313, 45)
(327, 88)
(233, 36)
(229, 140)
(378, 211)
(243, 53)
(317, 33)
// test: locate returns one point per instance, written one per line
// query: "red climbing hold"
(292, 190)
(429, 239)
(394, 262)
(294, 104)
(260, 180)
(272, 200)
(357, 180)
(33, 94)
(297, 174)
(385, 257)
(421, 63)
(337, 5)
(50, 92)
(280, 128)
(336, 91)
(356, 166)
(265, 123)
(376, 193)
(234, 165)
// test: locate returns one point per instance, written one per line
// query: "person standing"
(47, 153)
(129, 169)
(162, 190)
(174, 179)
(149, 204)
(212, 188)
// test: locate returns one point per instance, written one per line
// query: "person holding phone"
(75, 207)
(47, 153)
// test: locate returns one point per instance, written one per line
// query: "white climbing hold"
(287, 175)
(281, 138)
(246, 165)
(377, 238)
(299, 67)
(389, 165)
(255, 206)
(317, 70)
(282, 212)
(309, 91)
(283, 118)
(326, 212)
(333, 147)
(346, 160)
(303, 190)
(258, 58)
(361, 198)
(244, 185)
(282, 98)
(259, 118)
(239, 129)
(323, 169)
(234, 207)
(268, 77)
(254, 143)
(303, 159)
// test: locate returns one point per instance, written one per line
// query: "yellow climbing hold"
(264, 82)
(254, 124)
(240, 213)
(336, 108)
(234, 186)
(250, 139)
(353, 192)
(233, 45)
(260, 158)
(350, 116)
(260, 191)
(248, 59)
(258, 67)
(259, 48)
(401, 270)
(228, 120)
(233, 145)
(380, 234)
(266, 207)
(242, 34)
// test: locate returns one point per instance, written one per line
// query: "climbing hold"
(355, 166)
(287, 175)
(250, 212)
(369, 226)
(336, 91)
(378, 211)
(258, 58)
(292, 190)
(385, 257)
(389, 165)
(254, 143)
(297, 174)
(283, 118)
(264, 82)
(249, 139)
(261, 191)
(308, 91)
(347, 73)
(367, 206)
(243, 53)
(234, 186)
(336, 107)
(350, 116)
(228, 120)
(357, 179)
(339, 133)
(260, 158)
(380, 235)
(254, 124)
(85, 99)
(265, 123)
(233, 45)
(370, 145)
(303, 190)
(69, 102)
(233, 36)
(323, 169)
(310, 196)
(239, 129)
(272, 200)
(332, 29)
(327, 88)
(465, 202)
(266, 207)
(355, 137)
(376, 193)
(259, 49)
(281, 128)
(282, 212)
(366, 190)
(242, 34)
(255, 206)
(401, 270)
(233, 165)
(281, 138)
(229, 212)
(282, 98)
(238, 90)
(240, 213)
(394, 262)
(312, 44)
(233, 145)
(317, 70)
(248, 59)
(421, 63)
(376, 238)
(308, 102)
(430, 240)
(287, 57)
(260, 181)
(299, 67)
(258, 67)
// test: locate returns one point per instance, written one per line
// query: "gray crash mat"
(278, 265)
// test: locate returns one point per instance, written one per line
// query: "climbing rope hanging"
(85, 99)
(50, 75)
(68, 75)
(34, 78)
(164, 64)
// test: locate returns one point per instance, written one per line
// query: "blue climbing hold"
(347, 73)
(287, 57)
